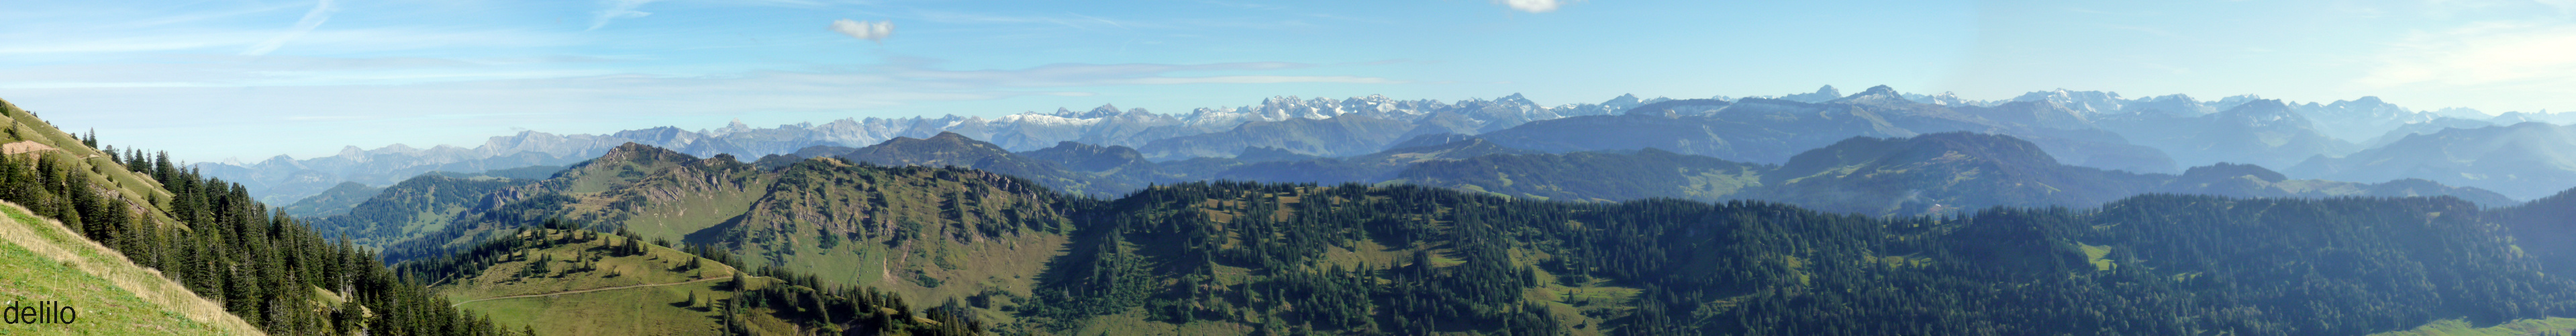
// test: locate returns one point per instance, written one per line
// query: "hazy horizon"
(309, 78)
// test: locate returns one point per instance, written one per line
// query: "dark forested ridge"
(1296, 255)
(1592, 176)
(209, 235)
(2541, 228)
(337, 200)
(1925, 174)
(416, 206)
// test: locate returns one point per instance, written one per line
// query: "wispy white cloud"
(1534, 6)
(128, 45)
(160, 43)
(2480, 54)
(400, 90)
(2564, 6)
(618, 9)
(873, 31)
(317, 118)
(1101, 20)
(312, 19)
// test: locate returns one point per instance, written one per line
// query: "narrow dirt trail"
(588, 290)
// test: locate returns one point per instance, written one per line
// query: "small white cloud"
(618, 9)
(1534, 6)
(873, 31)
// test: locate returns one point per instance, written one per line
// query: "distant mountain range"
(1310, 126)
(1932, 173)
(1939, 173)
(2095, 129)
(2526, 160)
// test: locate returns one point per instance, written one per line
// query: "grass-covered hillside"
(927, 232)
(112, 296)
(563, 281)
(182, 246)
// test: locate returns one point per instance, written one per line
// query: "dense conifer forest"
(2149, 265)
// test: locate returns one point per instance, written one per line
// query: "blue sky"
(214, 79)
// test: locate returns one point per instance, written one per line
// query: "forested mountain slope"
(2543, 227)
(412, 208)
(199, 235)
(1413, 260)
(337, 200)
(1592, 176)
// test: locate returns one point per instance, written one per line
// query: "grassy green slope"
(656, 192)
(622, 295)
(267, 271)
(104, 278)
(2529, 327)
(113, 296)
(103, 171)
(909, 229)
(931, 234)
(579, 282)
